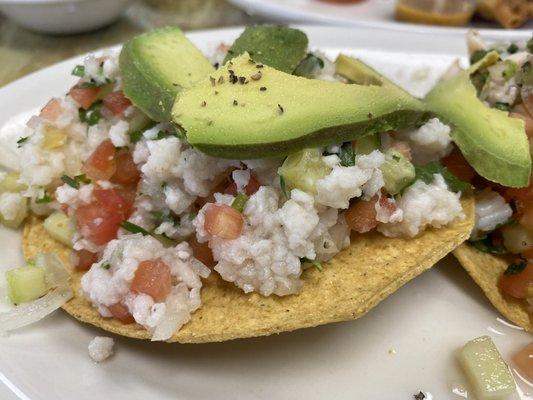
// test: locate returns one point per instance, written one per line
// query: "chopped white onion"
(28, 313)
(176, 314)
(57, 273)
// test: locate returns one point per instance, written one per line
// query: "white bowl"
(63, 16)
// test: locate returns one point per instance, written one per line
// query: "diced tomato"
(111, 200)
(231, 189)
(202, 252)
(223, 221)
(523, 195)
(152, 278)
(98, 224)
(524, 361)
(101, 163)
(457, 165)
(85, 259)
(253, 186)
(528, 253)
(527, 217)
(85, 97)
(361, 216)
(517, 285)
(51, 111)
(116, 102)
(219, 188)
(126, 171)
(121, 312)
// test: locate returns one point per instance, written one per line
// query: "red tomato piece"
(231, 189)
(101, 163)
(111, 200)
(516, 285)
(361, 216)
(116, 102)
(524, 361)
(153, 278)
(457, 165)
(223, 221)
(51, 111)
(202, 252)
(253, 186)
(121, 312)
(85, 259)
(126, 171)
(85, 97)
(523, 195)
(527, 217)
(98, 224)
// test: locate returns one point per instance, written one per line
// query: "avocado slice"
(279, 47)
(250, 110)
(158, 65)
(493, 143)
(358, 72)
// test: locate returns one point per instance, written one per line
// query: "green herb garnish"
(529, 45)
(515, 268)
(21, 141)
(70, 181)
(105, 266)
(160, 217)
(347, 155)
(283, 186)
(92, 115)
(239, 203)
(426, 174)
(513, 48)
(82, 178)
(45, 199)
(315, 263)
(502, 106)
(79, 70)
(510, 69)
(135, 136)
(133, 228)
(478, 55)
(486, 246)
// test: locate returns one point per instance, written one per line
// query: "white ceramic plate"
(404, 345)
(370, 13)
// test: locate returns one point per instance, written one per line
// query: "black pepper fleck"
(216, 65)
(204, 103)
(257, 76)
(370, 115)
(221, 79)
(175, 84)
(419, 396)
(235, 103)
(216, 92)
(242, 80)
(259, 66)
(281, 110)
(213, 81)
(262, 88)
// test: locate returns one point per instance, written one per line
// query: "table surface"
(22, 51)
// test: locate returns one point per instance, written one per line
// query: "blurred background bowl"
(63, 16)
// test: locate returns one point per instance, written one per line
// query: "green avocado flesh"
(493, 143)
(158, 65)
(279, 47)
(272, 113)
(357, 72)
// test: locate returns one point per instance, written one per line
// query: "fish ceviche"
(504, 215)
(162, 167)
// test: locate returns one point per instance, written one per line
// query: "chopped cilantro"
(133, 228)
(502, 106)
(70, 181)
(82, 178)
(529, 45)
(79, 70)
(347, 155)
(135, 136)
(510, 69)
(426, 174)
(477, 55)
(239, 203)
(283, 186)
(513, 48)
(515, 268)
(21, 141)
(308, 66)
(486, 246)
(105, 266)
(92, 115)
(45, 199)
(160, 217)
(315, 263)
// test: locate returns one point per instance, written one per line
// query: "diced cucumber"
(303, 169)
(13, 220)
(367, 144)
(398, 172)
(61, 227)
(10, 183)
(486, 371)
(26, 284)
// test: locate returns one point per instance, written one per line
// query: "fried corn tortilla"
(485, 269)
(351, 284)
